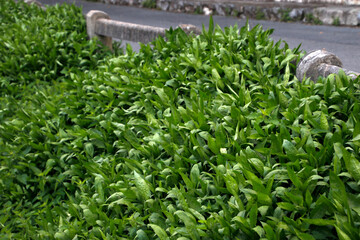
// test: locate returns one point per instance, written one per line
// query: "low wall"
(99, 24)
(306, 2)
(310, 11)
(341, 2)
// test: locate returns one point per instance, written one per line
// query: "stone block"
(329, 15)
(92, 18)
(352, 17)
(188, 29)
(296, 13)
(309, 66)
(321, 63)
(128, 31)
(163, 5)
(34, 2)
(219, 8)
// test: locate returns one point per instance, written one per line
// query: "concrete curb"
(92, 18)
(35, 3)
(99, 24)
(316, 13)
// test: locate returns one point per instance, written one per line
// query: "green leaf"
(264, 198)
(217, 78)
(341, 234)
(90, 217)
(286, 206)
(287, 74)
(213, 146)
(159, 232)
(319, 222)
(351, 163)
(189, 183)
(142, 186)
(270, 234)
(304, 236)
(356, 129)
(353, 167)
(231, 184)
(211, 26)
(195, 174)
(257, 164)
(338, 148)
(288, 58)
(324, 125)
(164, 98)
(141, 235)
(308, 198)
(190, 223)
(337, 190)
(253, 215)
(294, 178)
(290, 150)
(22, 178)
(307, 112)
(89, 149)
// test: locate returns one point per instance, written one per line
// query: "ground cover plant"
(37, 45)
(207, 137)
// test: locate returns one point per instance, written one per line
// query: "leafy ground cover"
(207, 137)
(37, 45)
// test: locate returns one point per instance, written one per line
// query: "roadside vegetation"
(194, 137)
(149, 4)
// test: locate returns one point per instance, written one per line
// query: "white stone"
(309, 66)
(207, 11)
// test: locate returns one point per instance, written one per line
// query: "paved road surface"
(343, 41)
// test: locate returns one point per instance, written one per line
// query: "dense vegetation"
(207, 137)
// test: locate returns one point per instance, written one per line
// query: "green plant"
(206, 137)
(259, 14)
(228, 11)
(198, 10)
(285, 15)
(37, 45)
(149, 3)
(336, 21)
(235, 13)
(310, 18)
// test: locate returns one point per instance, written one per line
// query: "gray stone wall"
(343, 2)
(190, 3)
(287, 10)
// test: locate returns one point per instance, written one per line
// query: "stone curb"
(261, 10)
(99, 24)
(35, 3)
(91, 21)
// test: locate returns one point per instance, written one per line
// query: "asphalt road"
(342, 41)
